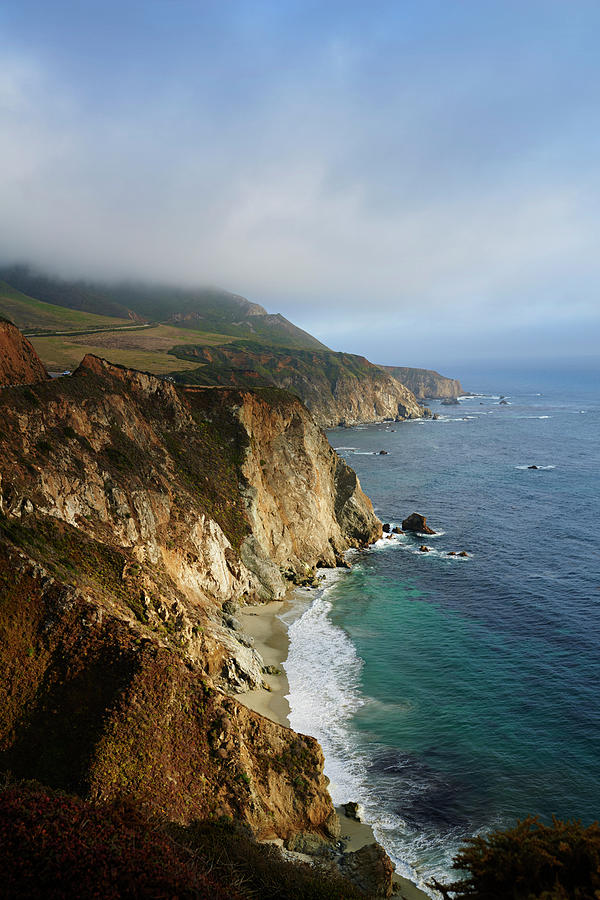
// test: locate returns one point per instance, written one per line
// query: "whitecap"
(537, 467)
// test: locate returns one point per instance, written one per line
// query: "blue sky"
(416, 181)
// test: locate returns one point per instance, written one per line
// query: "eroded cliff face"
(425, 383)
(337, 388)
(130, 511)
(19, 363)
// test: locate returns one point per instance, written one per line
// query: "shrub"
(57, 846)
(231, 854)
(531, 861)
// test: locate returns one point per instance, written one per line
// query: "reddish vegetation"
(56, 846)
(19, 363)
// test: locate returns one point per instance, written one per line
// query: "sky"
(416, 181)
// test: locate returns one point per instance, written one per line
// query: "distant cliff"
(19, 363)
(337, 388)
(425, 383)
(133, 515)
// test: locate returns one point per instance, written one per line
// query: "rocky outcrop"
(134, 515)
(425, 383)
(370, 869)
(19, 363)
(417, 522)
(337, 388)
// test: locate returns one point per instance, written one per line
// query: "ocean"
(454, 695)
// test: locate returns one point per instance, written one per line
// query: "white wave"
(432, 553)
(480, 397)
(323, 670)
(339, 449)
(534, 417)
(324, 674)
(538, 467)
(369, 453)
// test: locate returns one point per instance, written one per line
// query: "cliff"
(19, 363)
(337, 388)
(134, 515)
(425, 383)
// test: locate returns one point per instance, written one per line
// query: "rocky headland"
(136, 518)
(425, 383)
(337, 388)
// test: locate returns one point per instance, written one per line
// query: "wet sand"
(271, 641)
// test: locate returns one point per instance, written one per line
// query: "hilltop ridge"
(203, 308)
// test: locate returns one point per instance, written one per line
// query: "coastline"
(270, 633)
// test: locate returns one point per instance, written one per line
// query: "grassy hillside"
(209, 310)
(143, 348)
(31, 314)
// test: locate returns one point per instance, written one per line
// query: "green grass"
(59, 354)
(147, 349)
(30, 314)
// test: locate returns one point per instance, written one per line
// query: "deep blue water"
(454, 695)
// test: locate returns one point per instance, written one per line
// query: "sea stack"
(417, 522)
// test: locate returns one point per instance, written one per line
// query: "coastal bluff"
(337, 388)
(132, 511)
(19, 363)
(426, 384)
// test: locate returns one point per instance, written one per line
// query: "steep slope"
(425, 383)
(338, 388)
(35, 315)
(134, 515)
(19, 363)
(205, 309)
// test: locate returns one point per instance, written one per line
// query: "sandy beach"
(271, 641)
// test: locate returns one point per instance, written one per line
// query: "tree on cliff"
(531, 861)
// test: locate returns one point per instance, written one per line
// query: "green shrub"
(531, 861)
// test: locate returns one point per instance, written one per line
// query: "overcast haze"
(417, 181)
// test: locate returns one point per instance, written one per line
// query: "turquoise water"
(453, 695)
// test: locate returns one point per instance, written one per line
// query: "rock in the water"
(462, 553)
(417, 522)
(352, 811)
(383, 453)
(503, 403)
(450, 401)
(533, 467)
(371, 869)
(435, 416)
(451, 553)
(387, 528)
(424, 549)
(397, 530)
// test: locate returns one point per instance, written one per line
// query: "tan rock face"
(335, 387)
(130, 511)
(19, 363)
(425, 383)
